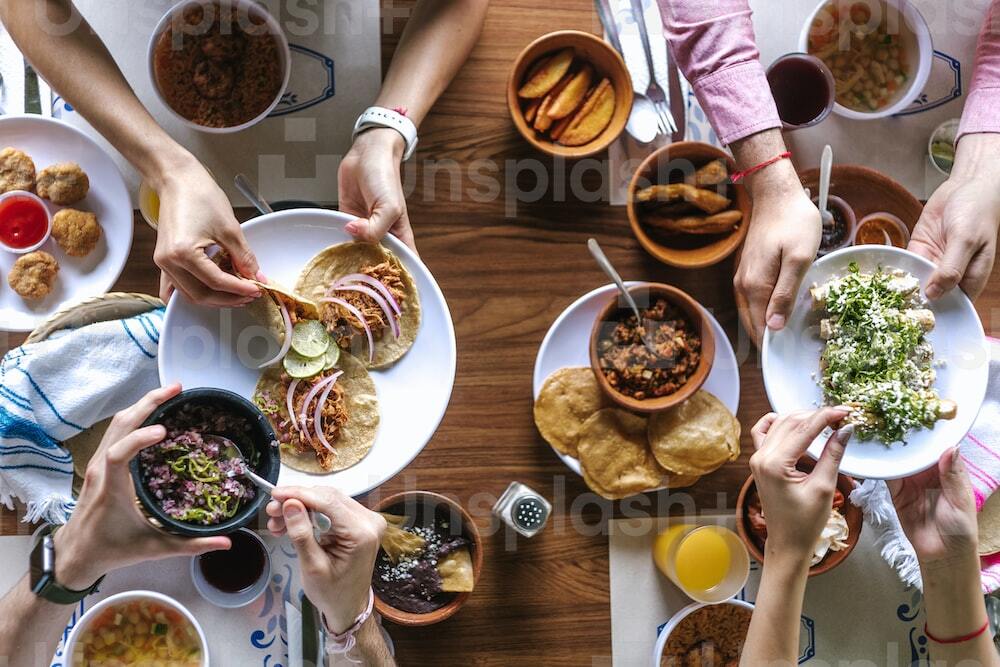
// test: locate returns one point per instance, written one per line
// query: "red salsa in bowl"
(24, 221)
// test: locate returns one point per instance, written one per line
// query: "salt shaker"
(523, 509)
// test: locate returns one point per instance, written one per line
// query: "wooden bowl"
(853, 514)
(407, 502)
(695, 314)
(866, 191)
(683, 155)
(605, 61)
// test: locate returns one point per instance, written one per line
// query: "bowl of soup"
(137, 628)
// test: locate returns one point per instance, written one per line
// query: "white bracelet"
(341, 644)
(382, 117)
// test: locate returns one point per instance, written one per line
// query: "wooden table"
(506, 277)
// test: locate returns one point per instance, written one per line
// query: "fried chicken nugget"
(33, 275)
(63, 183)
(76, 232)
(17, 170)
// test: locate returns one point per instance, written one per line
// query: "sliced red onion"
(305, 405)
(361, 318)
(368, 280)
(288, 404)
(318, 414)
(390, 316)
(287, 343)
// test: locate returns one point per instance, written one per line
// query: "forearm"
(436, 42)
(30, 628)
(714, 46)
(953, 605)
(93, 84)
(773, 638)
(979, 114)
(777, 179)
(371, 648)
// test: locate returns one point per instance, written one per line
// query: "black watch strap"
(43, 579)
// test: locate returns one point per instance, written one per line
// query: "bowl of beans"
(879, 52)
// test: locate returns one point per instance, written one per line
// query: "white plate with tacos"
(350, 351)
(862, 334)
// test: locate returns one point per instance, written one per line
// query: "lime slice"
(298, 366)
(310, 339)
(331, 356)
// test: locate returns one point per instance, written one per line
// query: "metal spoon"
(605, 264)
(248, 190)
(321, 522)
(825, 167)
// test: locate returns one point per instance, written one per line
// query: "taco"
(348, 419)
(367, 300)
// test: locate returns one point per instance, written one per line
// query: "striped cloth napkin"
(53, 390)
(980, 451)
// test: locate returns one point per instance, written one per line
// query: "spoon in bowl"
(321, 522)
(608, 268)
(825, 167)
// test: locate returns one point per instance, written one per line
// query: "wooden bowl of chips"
(411, 504)
(692, 313)
(582, 81)
(682, 208)
(852, 513)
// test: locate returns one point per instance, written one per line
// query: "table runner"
(294, 153)
(857, 611)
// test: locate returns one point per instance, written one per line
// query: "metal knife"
(310, 634)
(610, 27)
(32, 97)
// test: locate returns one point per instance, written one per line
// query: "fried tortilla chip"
(546, 73)
(614, 455)
(398, 542)
(567, 399)
(456, 572)
(989, 526)
(695, 437)
(592, 117)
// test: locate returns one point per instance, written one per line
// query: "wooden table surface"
(507, 276)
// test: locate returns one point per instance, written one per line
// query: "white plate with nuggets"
(47, 142)
(567, 343)
(222, 347)
(791, 365)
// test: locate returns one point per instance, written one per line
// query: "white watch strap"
(382, 117)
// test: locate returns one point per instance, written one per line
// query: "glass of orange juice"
(149, 204)
(709, 563)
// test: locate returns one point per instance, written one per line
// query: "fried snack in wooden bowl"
(569, 94)
(683, 208)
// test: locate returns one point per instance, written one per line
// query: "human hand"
(796, 505)
(781, 244)
(958, 227)
(107, 531)
(937, 510)
(371, 187)
(194, 215)
(337, 570)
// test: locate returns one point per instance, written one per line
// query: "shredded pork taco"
(366, 298)
(336, 415)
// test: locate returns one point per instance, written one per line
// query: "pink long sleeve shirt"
(712, 42)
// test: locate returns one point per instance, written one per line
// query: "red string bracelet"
(956, 640)
(738, 176)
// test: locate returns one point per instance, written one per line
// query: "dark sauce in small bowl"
(235, 570)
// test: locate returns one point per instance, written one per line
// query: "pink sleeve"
(980, 113)
(713, 45)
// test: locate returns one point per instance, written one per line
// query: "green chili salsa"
(877, 358)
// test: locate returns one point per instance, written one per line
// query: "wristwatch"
(382, 117)
(43, 573)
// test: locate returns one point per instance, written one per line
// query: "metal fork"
(656, 94)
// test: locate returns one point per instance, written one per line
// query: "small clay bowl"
(409, 503)
(853, 514)
(695, 314)
(689, 253)
(606, 63)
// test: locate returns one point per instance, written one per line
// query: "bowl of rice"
(189, 484)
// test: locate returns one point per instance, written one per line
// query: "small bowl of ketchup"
(25, 222)
(881, 229)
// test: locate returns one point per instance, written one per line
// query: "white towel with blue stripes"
(54, 389)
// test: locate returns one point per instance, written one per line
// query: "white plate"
(209, 347)
(791, 366)
(567, 343)
(48, 141)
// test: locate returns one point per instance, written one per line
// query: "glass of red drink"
(803, 89)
